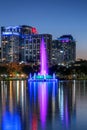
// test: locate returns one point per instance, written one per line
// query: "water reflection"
(10, 117)
(42, 105)
(67, 102)
(39, 94)
(42, 96)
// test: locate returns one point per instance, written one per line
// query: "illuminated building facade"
(30, 50)
(63, 50)
(22, 44)
(11, 40)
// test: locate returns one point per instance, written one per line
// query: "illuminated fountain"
(43, 75)
(43, 58)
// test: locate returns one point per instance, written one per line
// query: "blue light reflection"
(11, 122)
(39, 95)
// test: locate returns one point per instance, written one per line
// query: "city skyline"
(56, 17)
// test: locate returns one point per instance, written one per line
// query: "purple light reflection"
(43, 102)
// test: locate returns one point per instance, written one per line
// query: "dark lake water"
(43, 105)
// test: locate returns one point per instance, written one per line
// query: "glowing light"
(11, 27)
(44, 68)
(34, 93)
(61, 103)
(10, 33)
(11, 98)
(22, 93)
(53, 98)
(34, 30)
(34, 122)
(43, 75)
(43, 101)
(11, 122)
(61, 51)
(64, 40)
(17, 91)
(74, 93)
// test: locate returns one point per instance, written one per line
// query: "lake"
(58, 105)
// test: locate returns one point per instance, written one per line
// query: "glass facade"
(12, 42)
(30, 50)
(22, 44)
(63, 50)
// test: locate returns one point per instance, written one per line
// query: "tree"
(14, 68)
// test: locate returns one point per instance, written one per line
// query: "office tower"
(22, 44)
(30, 50)
(63, 50)
(11, 40)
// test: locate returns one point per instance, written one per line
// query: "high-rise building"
(22, 44)
(63, 50)
(11, 40)
(30, 49)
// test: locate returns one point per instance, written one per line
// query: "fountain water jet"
(43, 59)
(43, 75)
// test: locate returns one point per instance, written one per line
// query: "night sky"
(56, 17)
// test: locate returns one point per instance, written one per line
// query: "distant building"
(63, 50)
